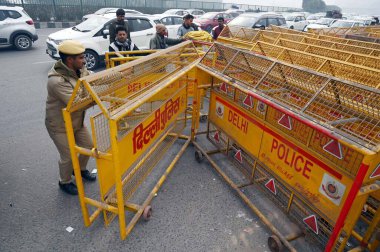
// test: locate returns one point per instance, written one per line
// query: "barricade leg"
(76, 166)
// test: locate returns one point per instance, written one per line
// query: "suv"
(93, 34)
(16, 28)
(296, 22)
(258, 20)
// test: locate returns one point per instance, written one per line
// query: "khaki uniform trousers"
(82, 139)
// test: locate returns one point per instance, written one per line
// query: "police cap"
(71, 47)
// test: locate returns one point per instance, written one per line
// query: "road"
(194, 210)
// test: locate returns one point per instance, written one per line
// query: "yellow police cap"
(71, 47)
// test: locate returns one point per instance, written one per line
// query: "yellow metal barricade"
(309, 140)
(112, 58)
(342, 40)
(142, 113)
(239, 36)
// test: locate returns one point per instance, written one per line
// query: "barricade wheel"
(203, 118)
(198, 156)
(275, 244)
(147, 213)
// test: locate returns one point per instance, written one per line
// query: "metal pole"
(54, 11)
(81, 7)
(22, 3)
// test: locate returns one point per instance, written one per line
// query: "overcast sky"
(356, 6)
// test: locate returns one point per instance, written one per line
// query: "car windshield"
(342, 24)
(207, 16)
(90, 24)
(243, 21)
(290, 18)
(323, 21)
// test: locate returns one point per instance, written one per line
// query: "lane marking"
(43, 62)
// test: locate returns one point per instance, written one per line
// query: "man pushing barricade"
(61, 82)
(187, 26)
(160, 40)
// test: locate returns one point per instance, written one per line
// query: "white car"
(16, 28)
(93, 34)
(109, 12)
(195, 12)
(347, 24)
(321, 23)
(296, 22)
(172, 23)
(314, 17)
(179, 12)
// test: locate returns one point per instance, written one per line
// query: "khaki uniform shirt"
(60, 86)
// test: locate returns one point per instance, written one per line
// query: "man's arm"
(171, 41)
(179, 32)
(153, 44)
(112, 32)
(60, 88)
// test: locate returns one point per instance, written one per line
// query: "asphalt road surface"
(194, 210)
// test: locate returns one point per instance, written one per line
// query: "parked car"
(321, 23)
(258, 20)
(172, 23)
(296, 22)
(16, 28)
(179, 12)
(210, 19)
(235, 12)
(111, 12)
(346, 24)
(195, 12)
(93, 34)
(314, 17)
(366, 20)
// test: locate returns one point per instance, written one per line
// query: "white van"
(93, 34)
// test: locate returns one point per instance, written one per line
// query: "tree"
(314, 5)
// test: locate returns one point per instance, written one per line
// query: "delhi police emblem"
(219, 109)
(332, 188)
(261, 107)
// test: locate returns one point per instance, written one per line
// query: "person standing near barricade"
(122, 42)
(62, 79)
(218, 29)
(187, 26)
(119, 22)
(160, 41)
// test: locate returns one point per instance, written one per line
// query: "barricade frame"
(363, 187)
(88, 91)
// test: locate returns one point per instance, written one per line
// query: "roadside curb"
(43, 25)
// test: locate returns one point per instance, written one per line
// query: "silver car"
(16, 28)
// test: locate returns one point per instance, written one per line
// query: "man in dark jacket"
(160, 41)
(118, 22)
(122, 42)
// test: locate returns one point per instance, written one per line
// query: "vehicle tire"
(92, 59)
(209, 28)
(291, 27)
(22, 42)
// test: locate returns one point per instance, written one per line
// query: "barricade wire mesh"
(115, 87)
(351, 110)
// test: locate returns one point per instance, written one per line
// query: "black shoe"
(69, 188)
(87, 175)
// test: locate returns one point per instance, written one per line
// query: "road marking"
(43, 62)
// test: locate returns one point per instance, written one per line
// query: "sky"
(370, 7)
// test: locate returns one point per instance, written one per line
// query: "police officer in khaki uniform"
(61, 82)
